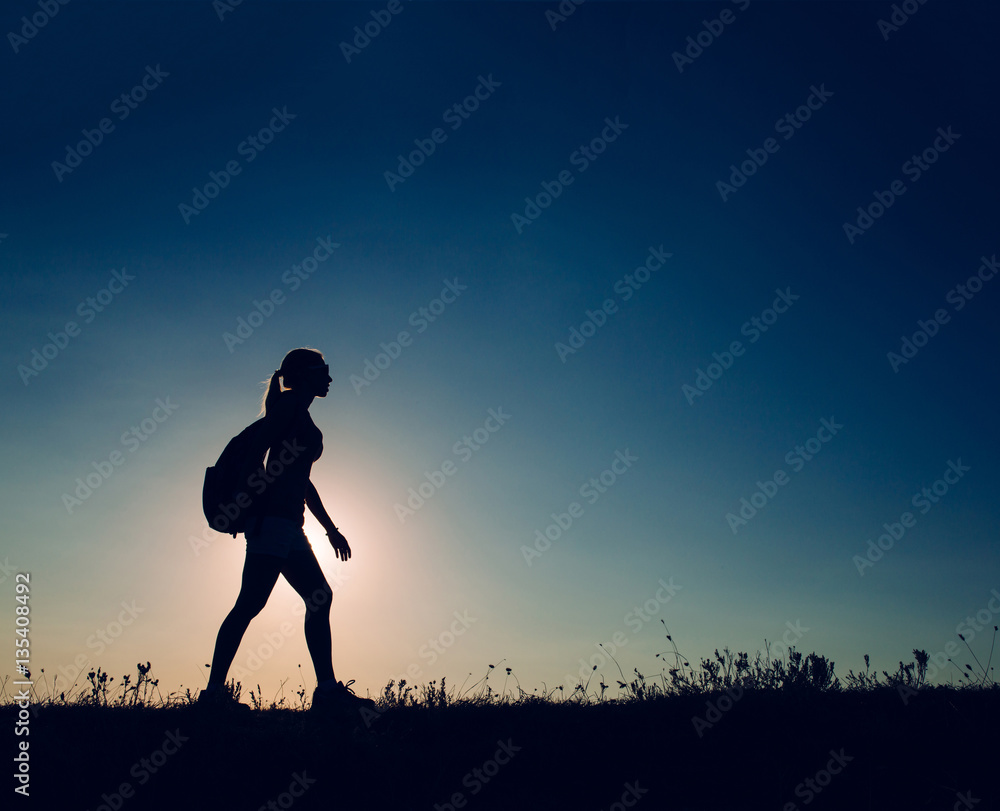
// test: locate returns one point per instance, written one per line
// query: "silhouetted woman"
(275, 541)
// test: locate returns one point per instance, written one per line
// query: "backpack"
(227, 496)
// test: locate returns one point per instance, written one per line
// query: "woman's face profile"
(316, 379)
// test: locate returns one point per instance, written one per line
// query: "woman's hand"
(339, 543)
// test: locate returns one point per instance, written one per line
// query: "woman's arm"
(337, 541)
(315, 505)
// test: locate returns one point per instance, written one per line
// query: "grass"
(724, 671)
(733, 731)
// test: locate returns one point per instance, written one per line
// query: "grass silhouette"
(734, 731)
(723, 671)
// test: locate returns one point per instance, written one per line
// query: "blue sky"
(631, 144)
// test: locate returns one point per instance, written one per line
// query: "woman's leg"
(303, 573)
(260, 573)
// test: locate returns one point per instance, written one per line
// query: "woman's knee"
(318, 603)
(248, 607)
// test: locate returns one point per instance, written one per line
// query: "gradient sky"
(455, 571)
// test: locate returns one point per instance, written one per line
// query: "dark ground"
(938, 750)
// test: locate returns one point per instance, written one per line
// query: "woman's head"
(304, 369)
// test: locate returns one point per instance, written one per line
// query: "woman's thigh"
(303, 573)
(260, 573)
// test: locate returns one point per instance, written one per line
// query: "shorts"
(272, 535)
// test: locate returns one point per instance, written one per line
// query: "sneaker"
(220, 700)
(340, 698)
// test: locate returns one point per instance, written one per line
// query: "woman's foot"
(339, 698)
(220, 699)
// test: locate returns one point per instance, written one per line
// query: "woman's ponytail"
(271, 395)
